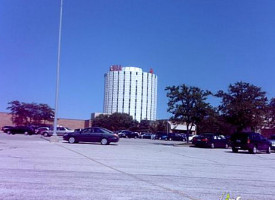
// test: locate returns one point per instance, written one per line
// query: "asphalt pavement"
(33, 168)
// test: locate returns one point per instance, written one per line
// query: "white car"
(190, 138)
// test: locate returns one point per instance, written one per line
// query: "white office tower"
(130, 90)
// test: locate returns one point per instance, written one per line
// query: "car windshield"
(222, 136)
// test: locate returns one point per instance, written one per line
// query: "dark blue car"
(212, 140)
(93, 134)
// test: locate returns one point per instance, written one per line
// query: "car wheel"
(212, 145)
(8, 132)
(45, 134)
(104, 141)
(254, 150)
(71, 140)
(234, 150)
(226, 146)
(268, 150)
(26, 133)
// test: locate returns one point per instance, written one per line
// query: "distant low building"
(94, 115)
(180, 128)
(6, 120)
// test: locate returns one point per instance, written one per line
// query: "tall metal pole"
(57, 73)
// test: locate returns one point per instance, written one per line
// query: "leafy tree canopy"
(187, 104)
(270, 118)
(30, 113)
(213, 122)
(243, 105)
(152, 126)
(115, 121)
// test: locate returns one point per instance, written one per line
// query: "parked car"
(176, 137)
(127, 134)
(146, 135)
(27, 130)
(253, 142)
(272, 140)
(93, 134)
(60, 131)
(212, 140)
(161, 136)
(40, 130)
(6, 128)
(190, 137)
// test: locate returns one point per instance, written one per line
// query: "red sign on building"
(116, 68)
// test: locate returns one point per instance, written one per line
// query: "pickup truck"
(60, 131)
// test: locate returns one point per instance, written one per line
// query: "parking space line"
(131, 175)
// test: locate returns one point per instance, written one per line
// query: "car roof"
(210, 134)
(247, 133)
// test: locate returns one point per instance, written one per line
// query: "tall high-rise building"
(130, 90)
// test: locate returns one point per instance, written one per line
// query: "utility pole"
(54, 137)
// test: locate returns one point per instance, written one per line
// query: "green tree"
(215, 123)
(210, 122)
(159, 126)
(45, 113)
(30, 113)
(145, 125)
(152, 126)
(115, 121)
(243, 105)
(187, 104)
(270, 118)
(102, 121)
(120, 121)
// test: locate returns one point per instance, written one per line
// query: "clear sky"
(204, 43)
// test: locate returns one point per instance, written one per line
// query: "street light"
(54, 137)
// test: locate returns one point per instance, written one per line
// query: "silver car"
(60, 131)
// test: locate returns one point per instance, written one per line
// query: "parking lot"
(31, 167)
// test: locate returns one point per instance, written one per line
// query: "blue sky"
(204, 43)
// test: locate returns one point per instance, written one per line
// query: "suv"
(253, 142)
(60, 131)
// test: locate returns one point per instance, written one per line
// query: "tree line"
(123, 121)
(30, 113)
(243, 107)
